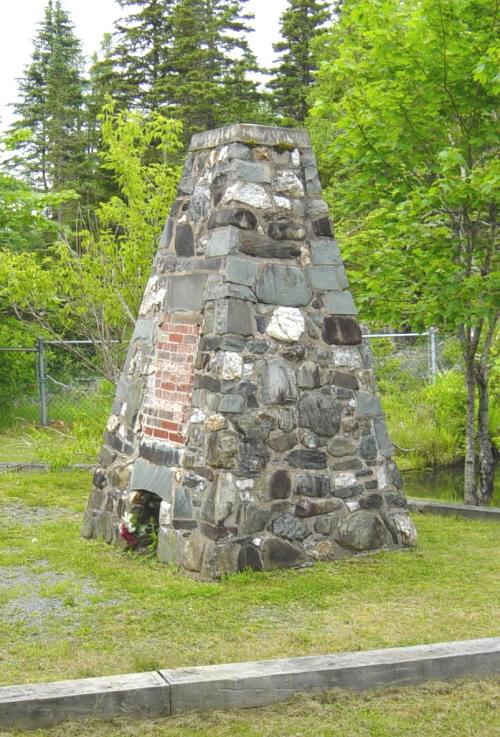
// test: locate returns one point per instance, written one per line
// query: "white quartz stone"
(352, 506)
(295, 157)
(165, 514)
(150, 297)
(113, 423)
(197, 417)
(345, 478)
(248, 194)
(231, 367)
(287, 182)
(346, 356)
(405, 527)
(245, 484)
(282, 203)
(287, 324)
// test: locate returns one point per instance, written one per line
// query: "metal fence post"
(433, 347)
(42, 381)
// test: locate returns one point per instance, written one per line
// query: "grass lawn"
(73, 608)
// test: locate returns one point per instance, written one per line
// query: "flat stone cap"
(262, 135)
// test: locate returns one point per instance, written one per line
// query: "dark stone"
(99, 478)
(280, 485)
(296, 352)
(258, 347)
(394, 476)
(282, 230)
(122, 446)
(182, 504)
(278, 383)
(340, 447)
(255, 519)
(320, 412)
(340, 330)
(255, 427)
(167, 233)
(205, 381)
(347, 381)
(396, 500)
(372, 500)
(278, 553)
(270, 249)
(368, 447)
(249, 558)
(313, 507)
(290, 527)
(351, 464)
(346, 492)
(254, 456)
(308, 485)
(370, 485)
(306, 459)
(323, 227)
(362, 531)
(280, 441)
(107, 456)
(184, 241)
(283, 285)
(216, 532)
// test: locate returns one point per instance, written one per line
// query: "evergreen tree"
(48, 130)
(294, 74)
(142, 54)
(211, 63)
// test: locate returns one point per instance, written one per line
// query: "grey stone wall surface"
(282, 457)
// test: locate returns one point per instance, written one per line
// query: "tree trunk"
(470, 458)
(486, 460)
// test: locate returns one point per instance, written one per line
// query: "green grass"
(121, 613)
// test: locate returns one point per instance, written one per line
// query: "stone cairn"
(245, 429)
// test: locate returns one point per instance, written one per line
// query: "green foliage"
(93, 290)
(404, 122)
(211, 61)
(52, 157)
(300, 24)
(428, 421)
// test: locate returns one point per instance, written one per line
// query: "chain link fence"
(57, 380)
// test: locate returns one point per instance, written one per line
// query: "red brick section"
(167, 404)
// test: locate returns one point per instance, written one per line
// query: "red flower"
(128, 536)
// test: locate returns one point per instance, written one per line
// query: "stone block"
(249, 557)
(306, 484)
(222, 449)
(309, 459)
(291, 528)
(234, 316)
(184, 240)
(160, 453)
(323, 277)
(147, 476)
(278, 383)
(368, 405)
(320, 412)
(253, 195)
(237, 216)
(323, 227)
(339, 303)
(240, 271)
(362, 531)
(278, 553)
(283, 285)
(223, 241)
(232, 403)
(171, 545)
(325, 252)
(287, 324)
(288, 183)
(280, 441)
(251, 171)
(186, 292)
(280, 484)
(283, 230)
(384, 442)
(340, 446)
(259, 248)
(254, 456)
(144, 330)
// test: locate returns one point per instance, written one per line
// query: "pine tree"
(211, 63)
(48, 128)
(142, 54)
(294, 74)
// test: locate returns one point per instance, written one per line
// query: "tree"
(405, 120)
(300, 24)
(93, 290)
(48, 130)
(142, 54)
(211, 64)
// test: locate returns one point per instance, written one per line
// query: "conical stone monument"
(246, 431)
